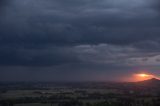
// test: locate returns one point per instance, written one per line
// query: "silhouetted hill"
(151, 83)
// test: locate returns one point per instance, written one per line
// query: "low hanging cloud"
(80, 34)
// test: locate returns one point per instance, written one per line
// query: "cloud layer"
(107, 34)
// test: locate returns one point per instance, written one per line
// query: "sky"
(78, 40)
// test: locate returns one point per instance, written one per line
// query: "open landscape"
(79, 52)
(143, 93)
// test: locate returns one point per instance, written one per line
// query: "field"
(80, 94)
(34, 104)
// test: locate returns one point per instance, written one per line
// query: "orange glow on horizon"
(142, 76)
(139, 77)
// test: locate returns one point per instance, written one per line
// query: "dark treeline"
(68, 101)
(145, 93)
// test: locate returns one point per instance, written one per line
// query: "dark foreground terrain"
(145, 93)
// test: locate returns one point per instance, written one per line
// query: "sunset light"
(143, 76)
(79, 52)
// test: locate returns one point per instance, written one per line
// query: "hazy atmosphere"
(78, 40)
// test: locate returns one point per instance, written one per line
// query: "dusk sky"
(78, 40)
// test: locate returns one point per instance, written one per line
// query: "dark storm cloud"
(156, 4)
(56, 32)
(79, 22)
(35, 57)
(2, 4)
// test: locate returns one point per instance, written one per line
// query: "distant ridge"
(150, 82)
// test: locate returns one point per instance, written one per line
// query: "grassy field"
(38, 93)
(34, 104)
